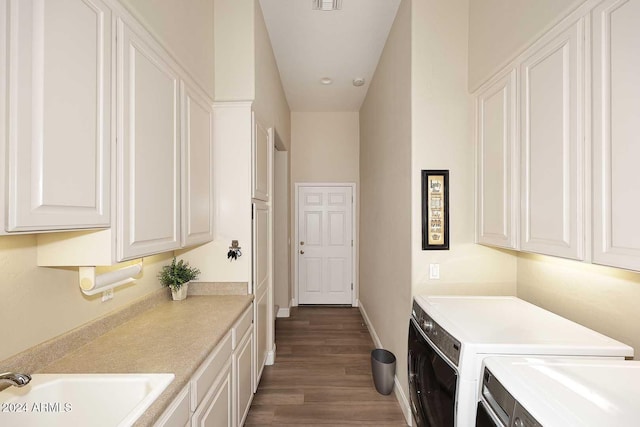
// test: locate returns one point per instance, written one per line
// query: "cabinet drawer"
(242, 325)
(209, 371)
(178, 412)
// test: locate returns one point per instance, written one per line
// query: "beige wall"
(500, 29)
(385, 193)
(281, 269)
(234, 50)
(442, 139)
(270, 101)
(601, 298)
(185, 29)
(250, 74)
(324, 147)
(40, 303)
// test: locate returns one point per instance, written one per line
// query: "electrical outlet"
(434, 271)
(107, 295)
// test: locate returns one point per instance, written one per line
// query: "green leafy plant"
(177, 274)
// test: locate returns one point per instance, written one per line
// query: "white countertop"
(572, 392)
(508, 325)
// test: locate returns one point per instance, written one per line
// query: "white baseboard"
(283, 312)
(400, 396)
(271, 356)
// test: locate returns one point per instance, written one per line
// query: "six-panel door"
(325, 233)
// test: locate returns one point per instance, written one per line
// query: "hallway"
(322, 374)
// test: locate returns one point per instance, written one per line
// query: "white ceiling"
(342, 45)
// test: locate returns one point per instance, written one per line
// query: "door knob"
(302, 252)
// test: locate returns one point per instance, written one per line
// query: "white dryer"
(449, 336)
(559, 392)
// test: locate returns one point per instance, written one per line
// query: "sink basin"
(81, 399)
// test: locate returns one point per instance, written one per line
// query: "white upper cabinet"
(616, 130)
(551, 125)
(149, 147)
(197, 167)
(261, 162)
(59, 115)
(497, 163)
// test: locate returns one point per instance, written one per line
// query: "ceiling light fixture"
(358, 81)
(326, 4)
(326, 81)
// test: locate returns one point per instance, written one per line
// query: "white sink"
(95, 400)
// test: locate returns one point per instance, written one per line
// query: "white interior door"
(324, 249)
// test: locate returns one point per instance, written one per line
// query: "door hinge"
(351, 242)
(352, 286)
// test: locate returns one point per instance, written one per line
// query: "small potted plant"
(177, 276)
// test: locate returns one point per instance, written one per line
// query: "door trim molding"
(294, 246)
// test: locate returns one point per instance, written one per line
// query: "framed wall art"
(435, 209)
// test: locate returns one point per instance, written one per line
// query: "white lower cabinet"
(243, 375)
(178, 414)
(220, 392)
(216, 409)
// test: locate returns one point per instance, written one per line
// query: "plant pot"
(180, 293)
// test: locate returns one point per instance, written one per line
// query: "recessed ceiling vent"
(327, 4)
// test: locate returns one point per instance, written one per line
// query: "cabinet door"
(197, 167)
(148, 149)
(59, 114)
(261, 284)
(243, 374)
(616, 149)
(497, 167)
(216, 408)
(261, 161)
(552, 146)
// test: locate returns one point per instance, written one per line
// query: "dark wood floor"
(322, 374)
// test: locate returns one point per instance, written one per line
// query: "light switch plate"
(434, 271)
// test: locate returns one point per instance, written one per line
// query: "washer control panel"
(443, 341)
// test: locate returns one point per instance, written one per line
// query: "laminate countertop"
(172, 337)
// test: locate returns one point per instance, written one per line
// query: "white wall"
(40, 303)
(442, 139)
(385, 193)
(499, 29)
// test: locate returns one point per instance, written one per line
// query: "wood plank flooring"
(322, 374)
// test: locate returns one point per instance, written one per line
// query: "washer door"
(483, 418)
(432, 383)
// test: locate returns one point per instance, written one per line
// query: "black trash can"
(383, 369)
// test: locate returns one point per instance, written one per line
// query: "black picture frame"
(435, 209)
